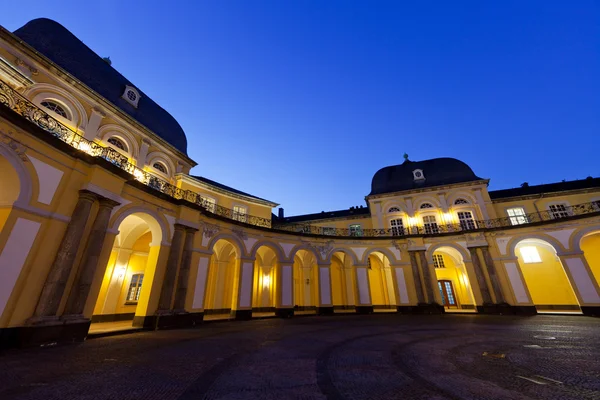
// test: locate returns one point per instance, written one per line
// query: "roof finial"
(405, 157)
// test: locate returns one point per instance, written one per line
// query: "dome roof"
(437, 172)
(64, 49)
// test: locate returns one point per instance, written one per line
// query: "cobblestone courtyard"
(347, 357)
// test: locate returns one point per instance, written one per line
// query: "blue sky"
(301, 102)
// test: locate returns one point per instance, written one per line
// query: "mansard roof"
(68, 52)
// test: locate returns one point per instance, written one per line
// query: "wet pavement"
(378, 356)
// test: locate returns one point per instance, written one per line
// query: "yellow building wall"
(533, 205)
(547, 281)
(591, 250)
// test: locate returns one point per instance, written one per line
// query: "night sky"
(301, 102)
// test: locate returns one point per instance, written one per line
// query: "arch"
(273, 246)
(393, 203)
(157, 223)
(305, 273)
(452, 276)
(381, 282)
(107, 131)
(307, 248)
(39, 92)
(461, 194)
(464, 254)
(345, 251)
(553, 242)
(237, 243)
(427, 199)
(27, 177)
(587, 240)
(394, 209)
(578, 235)
(157, 156)
(381, 250)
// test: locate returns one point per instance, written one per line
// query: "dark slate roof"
(327, 215)
(588, 183)
(227, 188)
(64, 49)
(437, 172)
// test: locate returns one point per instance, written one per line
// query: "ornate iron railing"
(19, 104)
(435, 229)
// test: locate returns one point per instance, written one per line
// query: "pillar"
(168, 283)
(60, 270)
(493, 274)
(417, 277)
(401, 289)
(479, 275)
(583, 281)
(363, 305)
(200, 288)
(428, 278)
(81, 287)
(184, 270)
(242, 307)
(325, 298)
(284, 301)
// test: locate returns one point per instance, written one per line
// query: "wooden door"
(447, 293)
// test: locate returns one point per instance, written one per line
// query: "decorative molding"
(14, 145)
(240, 233)
(22, 63)
(399, 247)
(210, 230)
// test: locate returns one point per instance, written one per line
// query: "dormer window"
(131, 95)
(418, 175)
(426, 205)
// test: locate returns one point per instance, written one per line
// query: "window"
(517, 215)
(393, 209)
(397, 227)
(426, 205)
(328, 230)
(131, 95)
(458, 202)
(55, 108)
(418, 175)
(135, 287)
(430, 224)
(118, 143)
(239, 213)
(465, 218)
(438, 261)
(356, 230)
(210, 204)
(160, 167)
(530, 255)
(559, 210)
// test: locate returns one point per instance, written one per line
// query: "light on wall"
(266, 280)
(413, 221)
(120, 271)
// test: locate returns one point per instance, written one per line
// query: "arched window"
(393, 209)
(55, 108)
(117, 143)
(426, 205)
(460, 201)
(160, 167)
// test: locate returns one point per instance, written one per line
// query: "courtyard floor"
(379, 356)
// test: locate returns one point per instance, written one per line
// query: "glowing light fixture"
(266, 281)
(138, 174)
(85, 147)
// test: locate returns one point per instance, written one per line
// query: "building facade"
(101, 220)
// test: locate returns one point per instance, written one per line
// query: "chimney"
(280, 216)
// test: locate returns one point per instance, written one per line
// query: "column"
(583, 281)
(243, 305)
(285, 290)
(483, 286)
(168, 283)
(60, 270)
(364, 305)
(417, 277)
(81, 287)
(325, 298)
(491, 268)
(428, 278)
(184, 270)
(399, 279)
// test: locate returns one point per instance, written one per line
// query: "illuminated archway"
(452, 279)
(590, 245)
(306, 281)
(264, 281)
(221, 289)
(127, 283)
(381, 284)
(342, 281)
(545, 276)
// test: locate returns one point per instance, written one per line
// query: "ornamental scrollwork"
(210, 230)
(240, 233)
(13, 144)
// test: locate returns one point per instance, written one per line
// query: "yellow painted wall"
(547, 282)
(4, 213)
(542, 203)
(338, 284)
(110, 267)
(591, 249)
